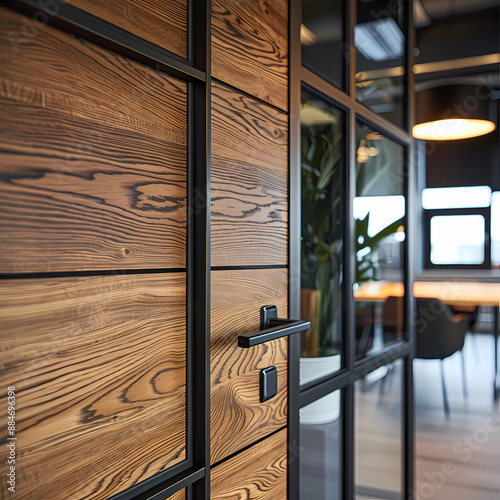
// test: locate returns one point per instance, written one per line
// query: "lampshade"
(452, 112)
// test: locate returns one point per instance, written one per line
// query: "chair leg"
(464, 382)
(445, 396)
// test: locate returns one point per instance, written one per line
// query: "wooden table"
(454, 293)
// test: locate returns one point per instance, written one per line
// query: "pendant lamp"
(452, 112)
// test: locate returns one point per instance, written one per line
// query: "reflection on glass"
(495, 230)
(378, 434)
(379, 211)
(322, 160)
(380, 55)
(322, 36)
(457, 239)
(321, 449)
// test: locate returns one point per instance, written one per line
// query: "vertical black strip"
(410, 257)
(348, 442)
(294, 202)
(199, 218)
(408, 429)
(350, 268)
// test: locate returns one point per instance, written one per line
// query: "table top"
(466, 293)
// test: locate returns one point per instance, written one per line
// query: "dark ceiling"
(444, 8)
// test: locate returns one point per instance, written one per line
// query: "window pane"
(322, 37)
(320, 449)
(456, 197)
(457, 239)
(380, 49)
(378, 434)
(322, 164)
(379, 211)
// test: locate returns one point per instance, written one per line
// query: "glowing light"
(448, 130)
(456, 197)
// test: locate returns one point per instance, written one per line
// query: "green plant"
(366, 246)
(321, 231)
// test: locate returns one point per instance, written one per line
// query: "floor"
(458, 458)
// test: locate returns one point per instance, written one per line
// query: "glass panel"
(322, 164)
(457, 239)
(456, 197)
(321, 449)
(379, 210)
(322, 37)
(380, 57)
(495, 230)
(378, 433)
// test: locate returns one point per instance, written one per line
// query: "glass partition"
(321, 449)
(379, 209)
(322, 165)
(322, 39)
(380, 57)
(378, 433)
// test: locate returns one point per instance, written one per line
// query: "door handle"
(272, 328)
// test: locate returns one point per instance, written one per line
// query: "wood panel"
(92, 158)
(163, 23)
(99, 366)
(258, 473)
(237, 417)
(250, 47)
(180, 495)
(249, 181)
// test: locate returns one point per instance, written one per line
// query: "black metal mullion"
(408, 429)
(200, 256)
(361, 110)
(82, 24)
(294, 197)
(410, 261)
(350, 266)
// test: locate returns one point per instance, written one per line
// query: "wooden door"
(96, 299)
(249, 244)
(93, 256)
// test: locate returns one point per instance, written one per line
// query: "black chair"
(440, 334)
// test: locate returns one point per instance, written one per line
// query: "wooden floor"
(458, 458)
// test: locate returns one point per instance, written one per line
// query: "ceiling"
(444, 8)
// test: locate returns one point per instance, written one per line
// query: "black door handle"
(272, 328)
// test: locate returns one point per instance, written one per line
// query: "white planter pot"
(326, 409)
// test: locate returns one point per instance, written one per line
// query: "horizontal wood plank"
(258, 473)
(250, 47)
(238, 418)
(92, 157)
(163, 23)
(249, 181)
(99, 367)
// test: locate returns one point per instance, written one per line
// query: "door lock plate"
(268, 383)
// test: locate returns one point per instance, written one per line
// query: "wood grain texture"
(92, 157)
(161, 22)
(249, 181)
(238, 418)
(99, 366)
(258, 473)
(180, 495)
(250, 47)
